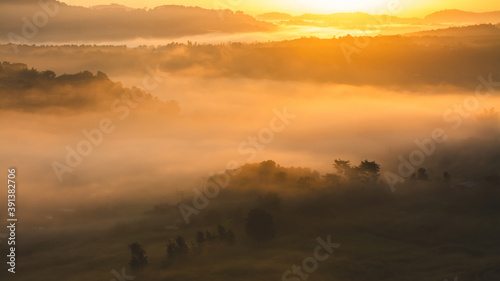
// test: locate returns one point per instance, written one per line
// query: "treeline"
(268, 174)
(27, 89)
(259, 226)
(267, 205)
(73, 23)
(409, 63)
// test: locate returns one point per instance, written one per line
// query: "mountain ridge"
(461, 31)
(457, 16)
(117, 22)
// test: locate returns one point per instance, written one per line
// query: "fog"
(391, 62)
(151, 155)
(219, 146)
(205, 103)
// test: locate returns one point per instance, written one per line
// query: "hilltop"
(458, 16)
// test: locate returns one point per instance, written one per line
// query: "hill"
(389, 61)
(346, 20)
(67, 23)
(461, 31)
(458, 16)
(23, 89)
(274, 16)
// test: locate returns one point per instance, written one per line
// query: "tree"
(331, 179)
(48, 74)
(209, 236)
(266, 169)
(305, 182)
(422, 174)
(200, 238)
(171, 249)
(342, 167)
(177, 247)
(369, 167)
(101, 75)
(270, 201)
(368, 171)
(139, 259)
(260, 225)
(182, 247)
(280, 176)
(222, 232)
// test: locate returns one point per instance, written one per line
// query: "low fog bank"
(403, 63)
(146, 157)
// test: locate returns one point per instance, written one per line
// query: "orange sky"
(417, 8)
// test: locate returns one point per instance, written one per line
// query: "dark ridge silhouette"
(73, 23)
(365, 20)
(259, 225)
(462, 31)
(340, 20)
(274, 16)
(112, 6)
(31, 90)
(429, 217)
(399, 62)
(458, 16)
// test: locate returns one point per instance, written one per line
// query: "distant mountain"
(116, 22)
(462, 31)
(112, 6)
(341, 20)
(351, 20)
(274, 16)
(458, 16)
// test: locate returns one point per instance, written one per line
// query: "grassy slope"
(429, 232)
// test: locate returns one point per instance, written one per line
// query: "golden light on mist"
(408, 8)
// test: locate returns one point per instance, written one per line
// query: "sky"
(414, 8)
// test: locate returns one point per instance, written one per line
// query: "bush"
(139, 259)
(260, 225)
(177, 247)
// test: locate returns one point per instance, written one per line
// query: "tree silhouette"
(177, 248)
(280, 176)
(182, 247)
(342, 167)
(139, 259)
(171, 249)
(270, 201)
(331, 179)
(422, 174)
(48, 74)
(260, 225)
(222, 232)
(210, 236)
(266, 169)
(305, 182)
(200, 237)
(368, 171)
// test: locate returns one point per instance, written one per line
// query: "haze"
(377, 122)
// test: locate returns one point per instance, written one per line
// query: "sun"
(335, 6)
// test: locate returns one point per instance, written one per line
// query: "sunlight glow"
(418, 8)
(329, 6)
